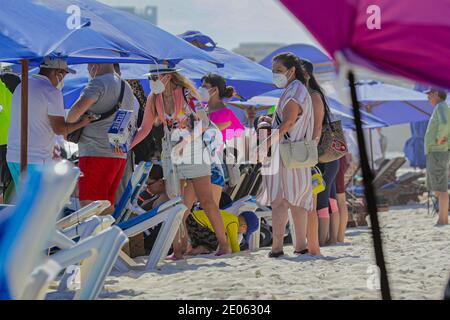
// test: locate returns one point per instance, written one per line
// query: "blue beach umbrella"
(391, 103)
(339, 110)
(323, 64)
(131, 33)
(31, 30)
(246, 76)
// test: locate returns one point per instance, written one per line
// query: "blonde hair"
(180, 81)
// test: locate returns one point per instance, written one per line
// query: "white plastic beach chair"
(170, 214)
(76, 226)
(25, 271)
(94, 208)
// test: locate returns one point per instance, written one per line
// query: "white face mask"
(157, 86)
(279, 80)
(60, 84)
(204, 94)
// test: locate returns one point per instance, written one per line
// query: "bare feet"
(172, 257)
(314, 252)
(198, 250)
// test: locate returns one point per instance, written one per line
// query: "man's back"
(105, 89)
(44, 100)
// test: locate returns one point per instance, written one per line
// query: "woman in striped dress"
(284, 188)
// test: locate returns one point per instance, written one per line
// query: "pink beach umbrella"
(405, 38)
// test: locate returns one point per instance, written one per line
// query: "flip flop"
(275, 254)
(304, 251)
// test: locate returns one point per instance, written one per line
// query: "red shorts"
(340, 177)
(100, 178)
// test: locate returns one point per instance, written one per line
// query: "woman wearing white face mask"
(172, 102)
(213, 90)
(285, 189)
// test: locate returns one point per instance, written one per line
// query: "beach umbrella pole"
(24, 119)
(371, 149)
(369, 193)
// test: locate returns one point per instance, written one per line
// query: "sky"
(228, 22)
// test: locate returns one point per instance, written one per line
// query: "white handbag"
(170, 172)
(298, 154)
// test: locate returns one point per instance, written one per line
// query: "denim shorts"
(192, 171)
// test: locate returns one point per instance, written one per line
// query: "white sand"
(417, 255)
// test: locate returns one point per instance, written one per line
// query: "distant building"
(149, 13)
(256, 51)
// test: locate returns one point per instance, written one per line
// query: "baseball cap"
(56, 63)
(252, 223)
(442, 93)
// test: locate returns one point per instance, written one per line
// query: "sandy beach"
(417, 255)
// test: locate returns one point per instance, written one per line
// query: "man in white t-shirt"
(45, 117)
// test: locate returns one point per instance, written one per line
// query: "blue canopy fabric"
(246, 76)
(131, 71)
(29, 30)
(132, 32)
(37, 28)
(393, 104)
(321, 61)
(342, 112)
(414, 147)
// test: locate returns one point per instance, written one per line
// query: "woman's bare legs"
(443, 207)
(217, 193)
(343, 211)
(300, 218)
(202, 187)
(334, 227)
(280, 218)
(324, 227)
(181, 238)
(313, 230)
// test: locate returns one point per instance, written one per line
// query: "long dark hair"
(312, 83)
(218, 81)
(290, 60)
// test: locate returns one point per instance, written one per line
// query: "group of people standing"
(178, 106)
(175, 104)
